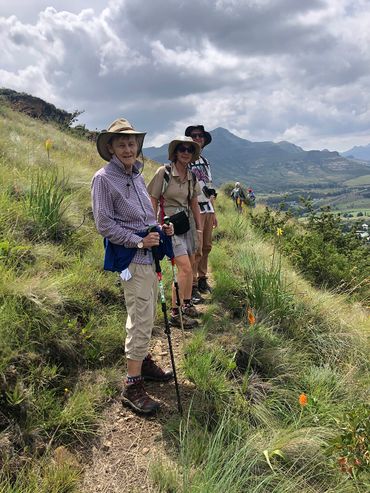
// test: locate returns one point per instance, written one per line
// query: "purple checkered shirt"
(122, 207)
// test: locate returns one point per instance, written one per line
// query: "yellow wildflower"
(279, 232)
(48, 144)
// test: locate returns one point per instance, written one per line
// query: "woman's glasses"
(182, 148)
(197, 135)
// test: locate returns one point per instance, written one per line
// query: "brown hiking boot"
(190, 311)
(134, 396)
(188, 323)
(151, 371)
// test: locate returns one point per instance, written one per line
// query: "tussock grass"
(46, 476)
(46, 201)
(246, 430)
(232, 456)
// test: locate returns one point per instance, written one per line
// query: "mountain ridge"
(266, 166)
(358, 152)
(269, 165)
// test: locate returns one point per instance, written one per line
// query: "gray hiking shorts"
(184, 244)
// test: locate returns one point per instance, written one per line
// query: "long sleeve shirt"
(122, 207)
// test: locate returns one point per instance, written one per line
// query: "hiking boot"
(196, 297)
(151, 371)
(134, 396)
(190, 311)
(203, 285)
(189, 323)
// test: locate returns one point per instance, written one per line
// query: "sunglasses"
(182, 148)
(197, 135)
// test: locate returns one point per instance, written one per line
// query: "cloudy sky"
(296, 70)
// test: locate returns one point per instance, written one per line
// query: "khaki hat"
(183, 140)
(118, 127)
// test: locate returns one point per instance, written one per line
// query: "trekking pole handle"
(153, 229)
(167, 221)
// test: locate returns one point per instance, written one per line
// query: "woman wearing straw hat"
(174, 190)
(123, 212)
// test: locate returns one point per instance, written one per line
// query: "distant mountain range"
(265, 166)
(268, 166)
(358, 152)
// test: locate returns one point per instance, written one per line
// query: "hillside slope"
(276, 372)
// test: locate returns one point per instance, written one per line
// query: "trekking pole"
(167, 221)
(167, 329)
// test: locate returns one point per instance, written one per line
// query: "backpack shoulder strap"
(205, 161)
(166, 177)
(194, 178)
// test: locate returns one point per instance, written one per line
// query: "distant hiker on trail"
(202, 170)
(123, 212)
(251, 198)
(238, 196)
(174, 190)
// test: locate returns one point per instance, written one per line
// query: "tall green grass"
(47, 201)
(246, 429)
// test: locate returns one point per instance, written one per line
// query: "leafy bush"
(351, 447)
(320, 249)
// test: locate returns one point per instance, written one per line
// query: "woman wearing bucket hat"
(202, 169)
(174, 190)
(123, 212)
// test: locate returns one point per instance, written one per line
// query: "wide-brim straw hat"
(207, 135)
(118, 127)
(183, 140)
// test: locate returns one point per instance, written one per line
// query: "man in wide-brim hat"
(202, 170)
(123, 212)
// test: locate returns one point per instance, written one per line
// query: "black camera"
(209, 192)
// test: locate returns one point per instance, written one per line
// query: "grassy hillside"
(61, 316)
(281, 369)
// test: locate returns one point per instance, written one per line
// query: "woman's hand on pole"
(151, 240)
(168, 229)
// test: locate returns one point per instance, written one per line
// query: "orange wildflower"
(303, 400)
(251, 317)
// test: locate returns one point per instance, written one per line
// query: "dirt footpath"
(119, 461)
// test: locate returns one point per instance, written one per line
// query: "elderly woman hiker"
(174, 190)
(123, 212)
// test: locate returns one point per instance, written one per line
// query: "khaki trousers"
(141, 293)
(200, 265)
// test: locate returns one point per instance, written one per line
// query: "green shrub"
(320, 249)
(351, 446)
